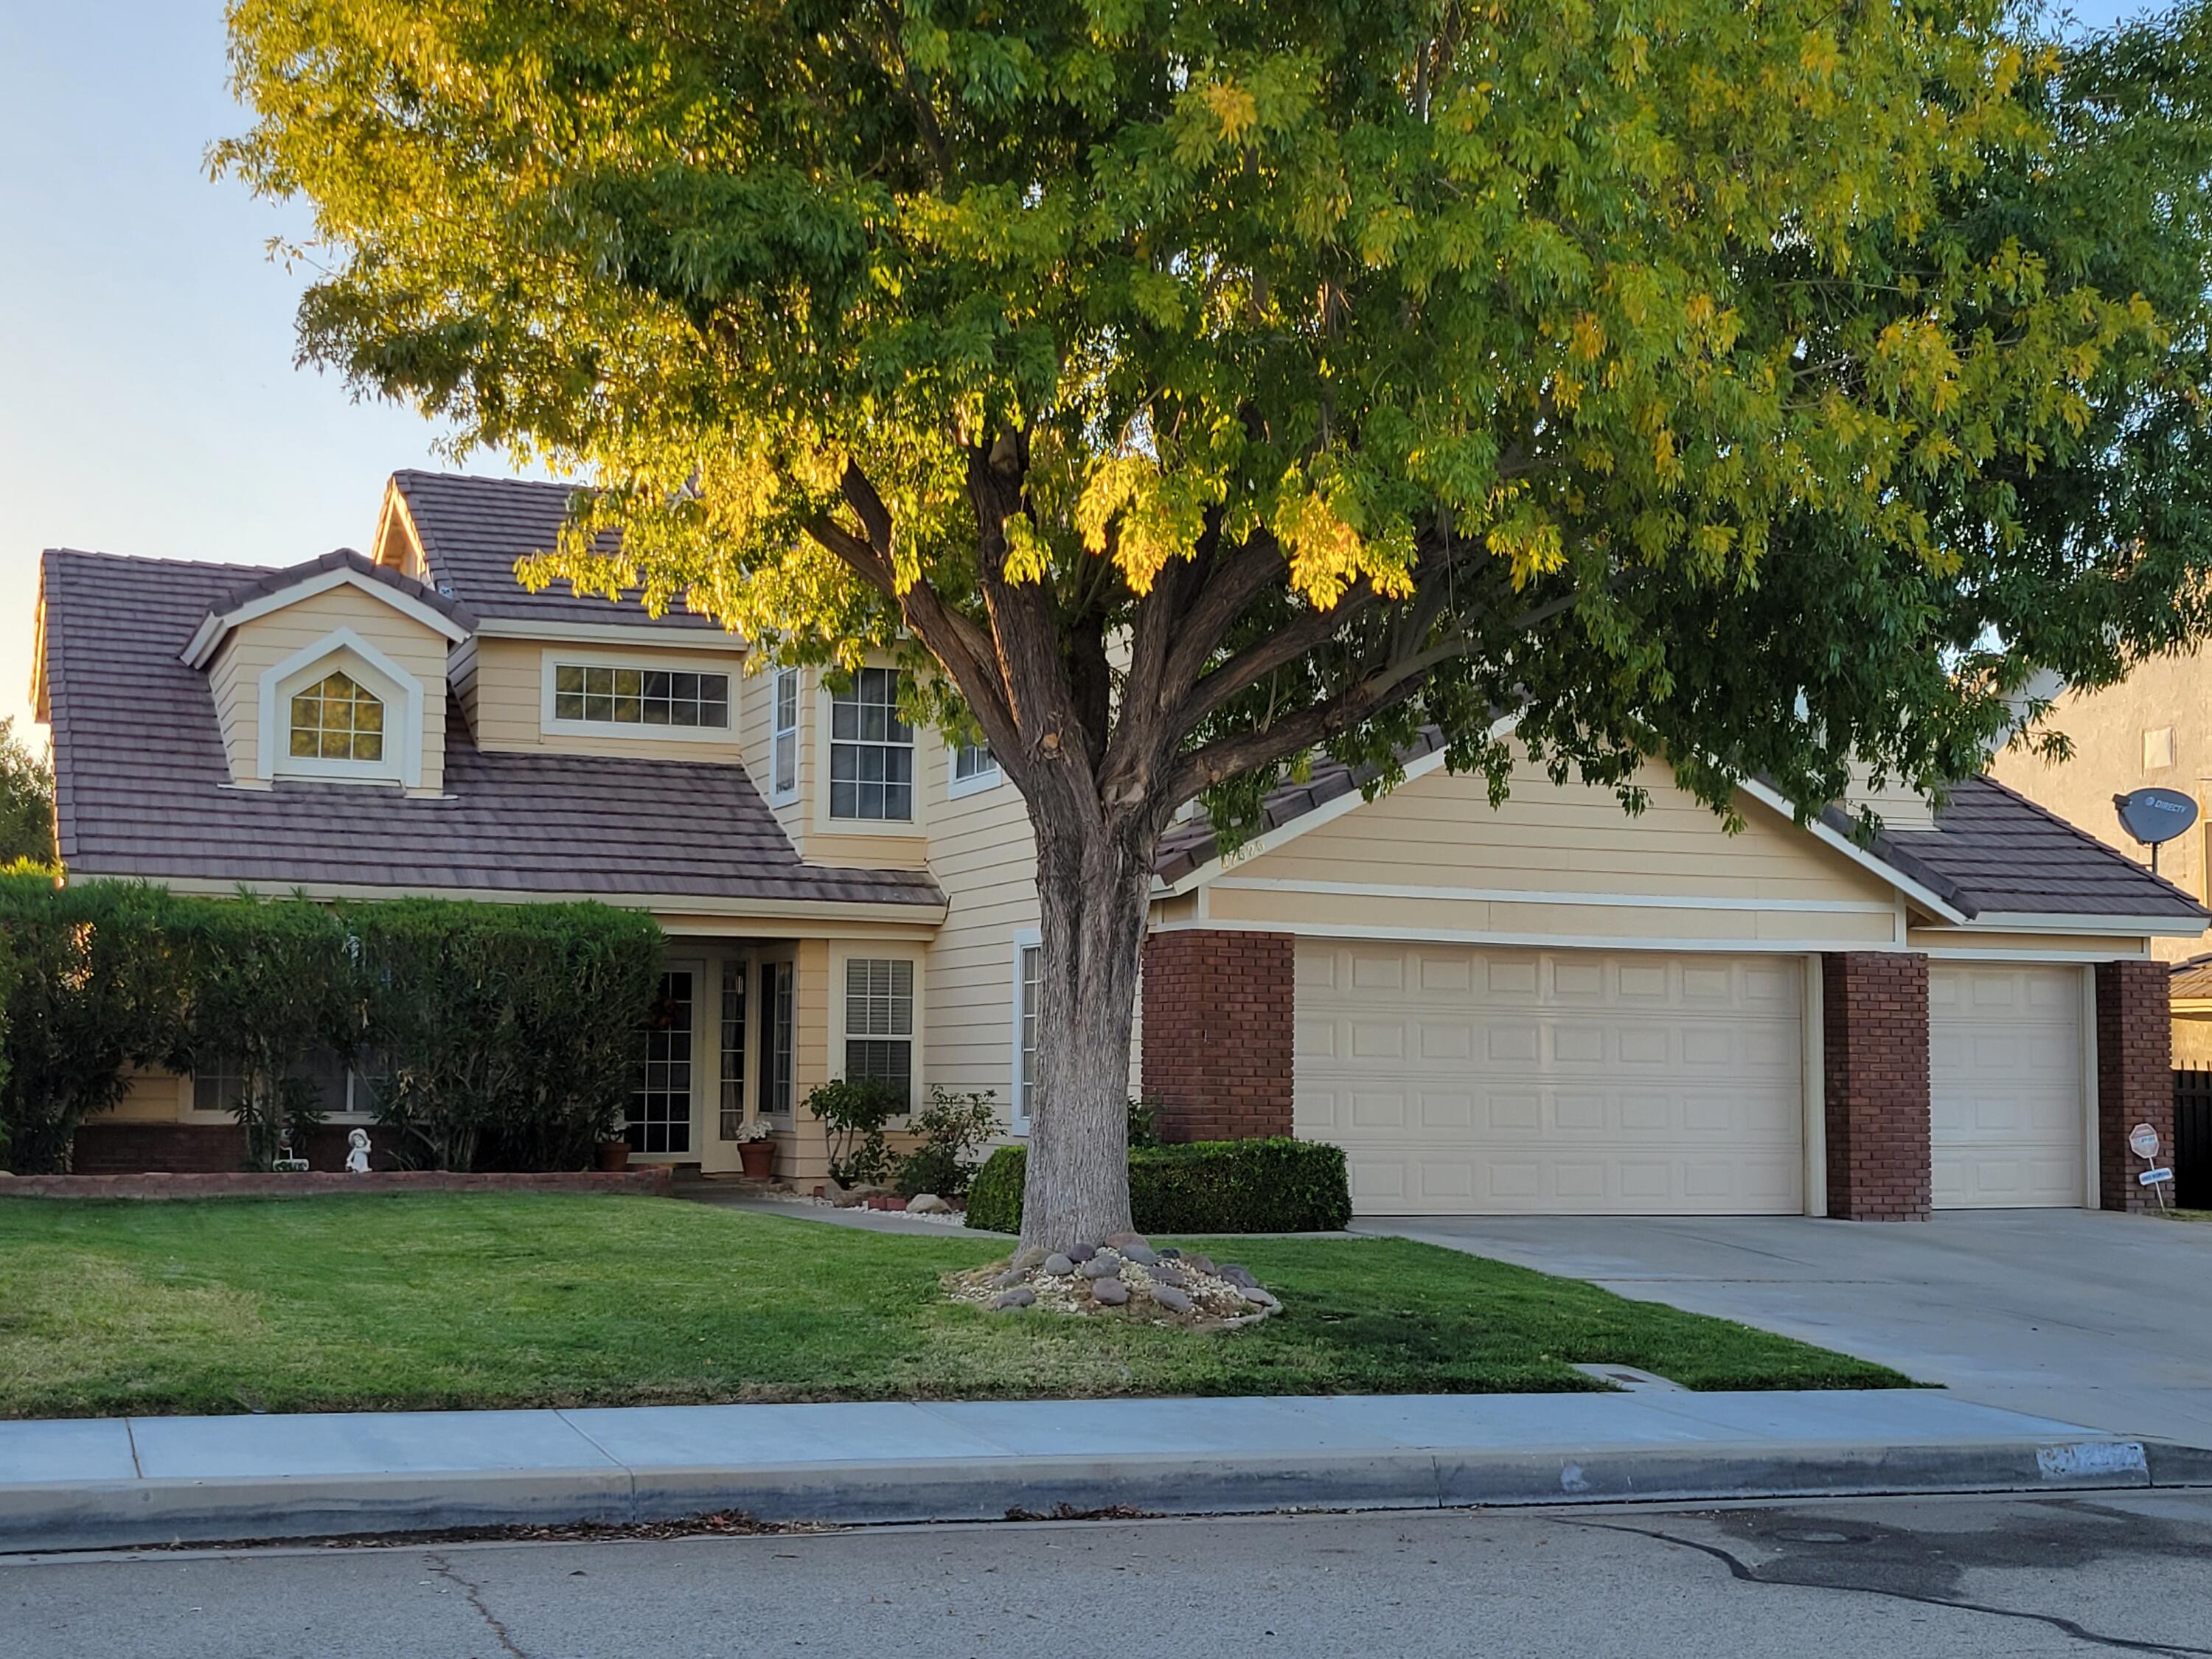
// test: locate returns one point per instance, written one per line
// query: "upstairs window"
(973, 767)
(608, 694)
(784, 762)
(879, 1021)
(337, 718)
(871, 750)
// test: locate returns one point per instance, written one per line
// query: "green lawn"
(475, 1300)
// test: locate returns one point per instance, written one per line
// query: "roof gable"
(275, 590)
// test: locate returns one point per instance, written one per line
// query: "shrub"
(952, 1127)
(504, 1035)
(1144, 1124)
(854, 1112)
(1272, 1185)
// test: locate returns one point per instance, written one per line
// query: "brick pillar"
(1875, 1037)
(1219, 1008)
(2134, 1076)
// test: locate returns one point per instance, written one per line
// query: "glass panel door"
(660, 1094)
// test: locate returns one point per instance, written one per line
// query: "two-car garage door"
(1462, 1079)
(1465, 1079)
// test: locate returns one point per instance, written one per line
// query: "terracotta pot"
(614, 1154)
(757, 1158)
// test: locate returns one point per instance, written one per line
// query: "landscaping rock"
(1081, 1252)
(1241, 1277)
(1173, 1300)
(1142, 1255)
(1170, 1254)
(1197, 1264)
(1121, 1241)
(1011, 1276)
(1109, 1292)
(1102, 1266)
(847, 1198)
(1032, 1257)
(928, 1204)
(1166, 1272)
(1259, 1299)
(1020, 1297)
(1058, 1265)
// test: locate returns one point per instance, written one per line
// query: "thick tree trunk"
(1094, 884)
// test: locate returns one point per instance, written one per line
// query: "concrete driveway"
(2099, 1319)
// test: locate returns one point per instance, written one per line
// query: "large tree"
(1191, 386)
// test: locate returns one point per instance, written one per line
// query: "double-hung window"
(879, 1021)
(783, 761)
(779, 1039)
(871, 750)
(1029, 968)
(973, 767)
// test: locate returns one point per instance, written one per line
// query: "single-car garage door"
(2006, 1114)
(1466, 1081)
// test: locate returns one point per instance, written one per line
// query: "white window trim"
(824, 725)
(778, 796)
(1018, 1100)
(549, 724)
(881, 951)
(955, 786)
(212, 632)
(404, 702)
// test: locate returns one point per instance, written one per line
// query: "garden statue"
(357, 1152)
(286, 1162)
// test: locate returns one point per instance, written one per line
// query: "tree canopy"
(27, 800)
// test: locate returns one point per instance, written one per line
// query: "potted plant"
(755, 1150)
(614, 1154)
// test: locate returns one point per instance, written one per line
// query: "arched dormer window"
(337, 718)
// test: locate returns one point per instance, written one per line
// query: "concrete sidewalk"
(117, 1481)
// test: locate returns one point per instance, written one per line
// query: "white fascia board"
(1865, 858)
(640, 634)
(2030, 921)
(211, 632)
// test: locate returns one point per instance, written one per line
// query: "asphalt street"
(1957, 1576)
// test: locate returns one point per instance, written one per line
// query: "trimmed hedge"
(1271, 1186)
(491, 1036)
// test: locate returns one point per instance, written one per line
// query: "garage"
(1466, 1079)
(2006, 1095)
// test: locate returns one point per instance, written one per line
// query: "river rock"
(1197, 1264)
(1238, 1276)
(1170, 1298)
(1081, 1252)
(928, 1204)
(1020, 1297)
(1102, 1267)
(1166, 1272)
(1259, 1299)
(1032, 1257)
(1109, 1292)
(1142, 1255)
(1121, 1241)
(1058, 1265)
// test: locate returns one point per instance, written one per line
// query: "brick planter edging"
(651, 1180)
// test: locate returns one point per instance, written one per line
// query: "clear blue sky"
(147, 400)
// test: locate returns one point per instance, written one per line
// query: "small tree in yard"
(1185, 387)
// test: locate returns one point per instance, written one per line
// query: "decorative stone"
(1237, 1275)
(1102, 1267)
(1109, 1292)
(1142, 1255)
(1081, 1252)
(1032, 1257)
(1171, 1298)
(1121, 1241)
(928, 1204)
(1166, 1272)
(1259, 1299)
(1020, 1297)
(1011, 1276)
(1170, 1254)
(1058, 1265)
(1197, 1264)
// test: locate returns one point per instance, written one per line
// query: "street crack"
(1744, 1572)
(444, 1570)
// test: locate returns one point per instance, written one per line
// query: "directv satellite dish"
(2152, 815)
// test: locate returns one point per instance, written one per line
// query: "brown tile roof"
(473, 530)
(2192, 978)
(141, 783)
(276, 581)
(1992, 851)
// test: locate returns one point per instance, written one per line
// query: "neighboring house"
(2154, 728)
(1552, 1006)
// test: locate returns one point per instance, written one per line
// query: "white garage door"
(1464, 1080)
(2007, 1109)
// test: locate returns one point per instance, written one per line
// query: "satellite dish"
(2152, 816)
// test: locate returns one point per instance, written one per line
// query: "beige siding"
(235, 680)
(1557, 862)
(2109, 729)
(2192, 1041)
(756, 729)
(2101, 946)
(509, 704)
(150, 1096)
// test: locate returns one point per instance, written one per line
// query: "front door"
(661, 1088)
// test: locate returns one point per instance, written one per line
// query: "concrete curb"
(92, 1515)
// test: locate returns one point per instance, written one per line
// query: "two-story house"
(1550, 1006)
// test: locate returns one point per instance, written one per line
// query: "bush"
(1275, 1185)
(951, 1127)
(502, 1033)
(854, 1112)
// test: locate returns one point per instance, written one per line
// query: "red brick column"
(2134, 1076)
(1219, 1009)
(1874, 1038)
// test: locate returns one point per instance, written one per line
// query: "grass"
(443, 1301)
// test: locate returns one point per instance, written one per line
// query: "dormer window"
(337, 719)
